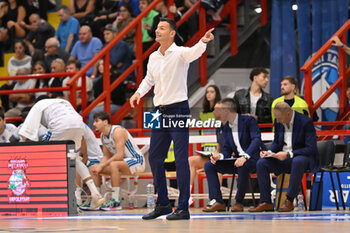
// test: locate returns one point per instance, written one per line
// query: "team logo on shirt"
(151, 120)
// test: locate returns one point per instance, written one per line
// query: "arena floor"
(130, 221)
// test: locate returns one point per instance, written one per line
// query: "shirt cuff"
(221, 156)
(291, 154)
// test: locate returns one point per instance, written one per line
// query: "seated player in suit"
(293, 150)
(241, 140)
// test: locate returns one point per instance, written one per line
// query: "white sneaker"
(96, 201)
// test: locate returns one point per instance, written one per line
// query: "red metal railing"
(230, 9)
(344, 72)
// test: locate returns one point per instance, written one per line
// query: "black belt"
(163, 108)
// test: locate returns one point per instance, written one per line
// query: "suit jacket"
(304, 140)
(249, 138)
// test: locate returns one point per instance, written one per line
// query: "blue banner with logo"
(283, 52)
(328, 199)
(317, 21)
(326, 17)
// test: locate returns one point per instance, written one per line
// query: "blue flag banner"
(283, 52)
(326, 17)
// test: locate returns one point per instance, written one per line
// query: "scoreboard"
(37, 179)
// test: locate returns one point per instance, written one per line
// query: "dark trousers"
(227, 167)
(295, 166)
(160, 142)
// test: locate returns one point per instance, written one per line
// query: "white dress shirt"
(288, 134)
(234, 129)
(168, 73)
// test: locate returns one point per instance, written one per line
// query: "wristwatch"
(288, 155)
(246, 156)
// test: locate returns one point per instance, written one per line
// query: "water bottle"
(131, 203)
(300, 202)
(150, 197)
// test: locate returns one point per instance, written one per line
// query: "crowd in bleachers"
(85, 27)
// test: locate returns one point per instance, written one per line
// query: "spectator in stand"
(41, 7)
(20, 60)
(74, 66)
(118, 97)
(54, 51)
(21, 100)
(57, 66)
(337, 42)
(81, 9)
(213, 8)
(120, 55)
(39, 32)
(40, 67)
(212, 96)
(148, 28)
(68, 29)
(134, 4)
(124, 19)
(254, 101)
(103, 17)
(6, 130)
(3, 21)
(11, 14)
(38, 55)
(163, 12)
(289, 92)
(86, 48)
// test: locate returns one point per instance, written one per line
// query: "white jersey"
(9, 130)
(93, 148)
(131, 150)
(42, 131)
(61, 116)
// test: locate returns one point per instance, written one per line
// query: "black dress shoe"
(158, 211)
(179, 215)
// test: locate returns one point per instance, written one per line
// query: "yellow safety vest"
(299, 106)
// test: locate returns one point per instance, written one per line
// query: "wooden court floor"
(130, 221)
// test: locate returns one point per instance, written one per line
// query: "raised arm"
(194, 52)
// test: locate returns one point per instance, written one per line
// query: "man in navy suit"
(242, 141)
(293, 150)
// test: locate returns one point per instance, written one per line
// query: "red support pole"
(343, 77)
(73, 94)
(233, 27)
(83, 94)
(139, 74)
(308, 90)
(263, 15)
(170, 14)
(203, 58)
(107, 83)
